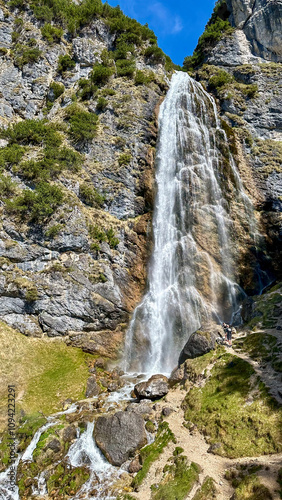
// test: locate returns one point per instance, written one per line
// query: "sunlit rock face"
(261, 22)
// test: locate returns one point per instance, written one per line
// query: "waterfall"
(102, 473)
(191, 275)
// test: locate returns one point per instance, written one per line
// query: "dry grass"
(45, 372)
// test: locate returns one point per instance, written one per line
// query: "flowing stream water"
(191, 272)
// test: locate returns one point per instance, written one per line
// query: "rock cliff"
(238, 59)
(73, 260)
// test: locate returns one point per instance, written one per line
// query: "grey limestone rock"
(199, 343)
(120, 435)
(154, 388)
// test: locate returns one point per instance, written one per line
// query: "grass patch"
(261, 347)
(220, 410)
(44, 371)
(178, 479)
(90, 196)
(151, 453)
(250, 488)
(207, 491)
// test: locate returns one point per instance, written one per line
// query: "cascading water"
(191, 274)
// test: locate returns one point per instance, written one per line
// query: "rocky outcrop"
(260, 21)
(120, 435)
(200, 342)
(154, 388)
(56, 278)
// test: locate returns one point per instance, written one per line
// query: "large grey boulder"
(120, 435)
(198, 344)
(154, 388)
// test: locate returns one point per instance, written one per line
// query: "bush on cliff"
(217, 26)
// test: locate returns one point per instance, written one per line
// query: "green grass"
(207, 491)
(262, 348)
(151, 453)
(220, 409)
(45, 372)
(250, 488)
(178, 479)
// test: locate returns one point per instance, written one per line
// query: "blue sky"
(177, 23)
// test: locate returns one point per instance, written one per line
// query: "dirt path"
(195, 447)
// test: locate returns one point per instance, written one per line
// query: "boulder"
(198, 344)
(54, 445)
(70, 433)
(134, 466)
(92, 388)
(118, 436)
(154, 388)
(177, 376)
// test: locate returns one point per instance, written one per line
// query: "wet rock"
(118, 436)
(92, 388)
(154, 388)
(54, 445)
(198, 344)
(70, 433)
(134, 466)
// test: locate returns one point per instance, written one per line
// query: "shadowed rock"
(154, 388)
(120, 435)
(198, 344)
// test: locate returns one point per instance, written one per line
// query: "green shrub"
(155, 54)
(25, 54)
(112, 240)
(100, 74)
(101, 104)
(83, 124)
(57, 90)
(43, 13)
(55, 160)
(106, 92)
(251, 90)
(125, 67)
(124, 159)
(7, 186)
(32, 132)
(91, 196)
(96, 233)
(122, 50)
(220, 79)
(51, 33)
(31, 295)
(142, 78)
(53, 231)
(88, 89)
(39, 204)
(65, 63)
(17, 4)
(11, 154)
